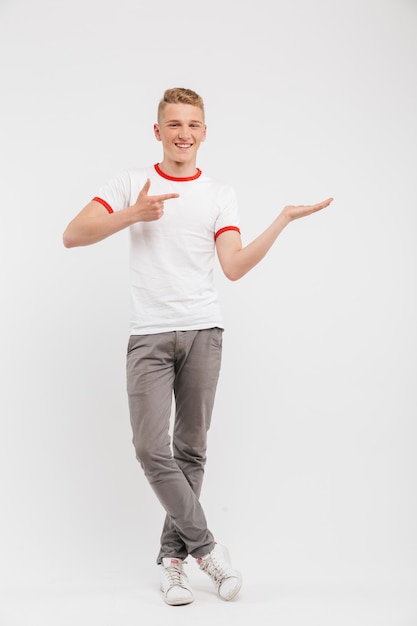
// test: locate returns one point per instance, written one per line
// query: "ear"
(204, 133)
(156, 132)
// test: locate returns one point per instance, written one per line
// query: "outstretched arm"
(94, 223)
(236, 261)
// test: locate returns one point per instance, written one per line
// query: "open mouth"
(183, 145)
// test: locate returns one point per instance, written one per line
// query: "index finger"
(166, 196)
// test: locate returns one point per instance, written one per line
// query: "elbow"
(232, 274)
(67, 240)
(232, 277)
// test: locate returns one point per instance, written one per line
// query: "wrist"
(285, 216)
(131, 215)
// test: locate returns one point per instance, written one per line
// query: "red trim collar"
(180, 180)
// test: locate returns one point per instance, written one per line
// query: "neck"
(177, 169)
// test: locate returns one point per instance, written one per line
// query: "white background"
(311, 477)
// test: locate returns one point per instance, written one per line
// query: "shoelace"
(214, 569)
(175, 575)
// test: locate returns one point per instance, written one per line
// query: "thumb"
(145, 188)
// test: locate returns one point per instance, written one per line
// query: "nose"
(183, 132)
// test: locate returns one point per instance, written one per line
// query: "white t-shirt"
(172, 259)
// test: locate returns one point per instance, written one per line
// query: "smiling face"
(181, 129)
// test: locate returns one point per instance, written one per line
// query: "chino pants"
(184, 365)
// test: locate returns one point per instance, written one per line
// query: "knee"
(190, 454)
(151, 456)
(144, 453)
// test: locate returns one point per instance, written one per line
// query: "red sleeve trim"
(104, 203)
(223, 230)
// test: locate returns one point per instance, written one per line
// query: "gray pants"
(186, 364)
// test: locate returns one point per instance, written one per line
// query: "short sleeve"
(115, 195)
(228, 217)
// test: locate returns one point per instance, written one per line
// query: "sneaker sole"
(235, 591)
(178, 602)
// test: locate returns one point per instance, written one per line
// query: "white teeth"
(183, 145)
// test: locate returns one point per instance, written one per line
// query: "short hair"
(179, 95)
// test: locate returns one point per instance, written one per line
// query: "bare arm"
(94, 223)
(236, 261)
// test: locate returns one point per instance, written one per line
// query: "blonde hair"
(179, 95)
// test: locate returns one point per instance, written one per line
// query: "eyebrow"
(189, 121)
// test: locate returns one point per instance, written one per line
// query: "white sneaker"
(217, 565)
(174, 582)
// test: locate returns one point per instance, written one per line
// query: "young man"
(178, 219)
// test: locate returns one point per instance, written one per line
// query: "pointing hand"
(150, 208)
